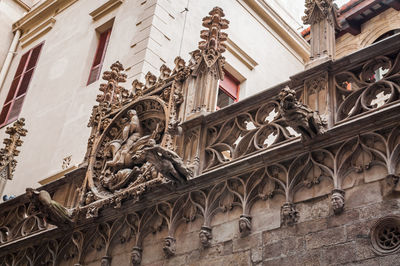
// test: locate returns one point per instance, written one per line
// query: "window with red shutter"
(99, 56)
(19, 86)
(228, 92)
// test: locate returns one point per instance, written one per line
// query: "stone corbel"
(289, 215)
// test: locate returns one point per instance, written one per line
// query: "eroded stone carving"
(391, 185)
(53, 211)
(106, 261)
(168, 163)
(317, 10)
(169, 246)
(337, 200)
(299, 116)
(136, 256)
(10, 151)
(205, 236)
(244, 225)
(289, 215)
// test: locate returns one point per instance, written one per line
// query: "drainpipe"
(9, 57)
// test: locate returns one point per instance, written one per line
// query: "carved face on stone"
(136, 256)
(205, 236)
(89, 198)
(244, 225)
(106, 261)
(337, 202)
(289, 215)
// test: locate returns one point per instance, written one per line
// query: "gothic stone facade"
(304, 173)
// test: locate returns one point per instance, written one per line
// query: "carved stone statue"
(299, 116)
(53, 211)
(168, 163)
(205, 236)
(337, 201)
(169, 247)
(244, 225)
(289, 215)
(136, 256)
(130, 134)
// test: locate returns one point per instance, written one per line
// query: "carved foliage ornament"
(318, 10)
(10, 151)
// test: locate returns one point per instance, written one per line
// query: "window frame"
(97, 67)
(19, 76)
(235, 98)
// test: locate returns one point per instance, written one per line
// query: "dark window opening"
(228, 92)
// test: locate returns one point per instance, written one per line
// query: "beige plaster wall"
(370, 31)
(145, 35)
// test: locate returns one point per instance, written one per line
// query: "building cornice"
(293, 40)
(23, 4)
(41, 13)
(105, 8)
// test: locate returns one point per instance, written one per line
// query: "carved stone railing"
(339, 90)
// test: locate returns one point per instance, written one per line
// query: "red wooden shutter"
(19, 86)
(99, 56)
(230, 86)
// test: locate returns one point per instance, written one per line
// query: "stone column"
(321, 16)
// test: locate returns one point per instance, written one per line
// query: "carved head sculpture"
(337, 200)
(136, 256)
(89, 197)
(169, 246)
(244, 225)
(287, 98)
(205, 236)
(289, 214)
(106, 261)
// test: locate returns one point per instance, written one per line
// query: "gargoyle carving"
(53, 211)
(299, 116)
(168, 163)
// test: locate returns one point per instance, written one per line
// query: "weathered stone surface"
(326, 237)
(339, 254)
(285, 247)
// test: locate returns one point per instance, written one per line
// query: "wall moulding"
(104, 9)
(243, 57)
(43, 12)
(37, 32)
